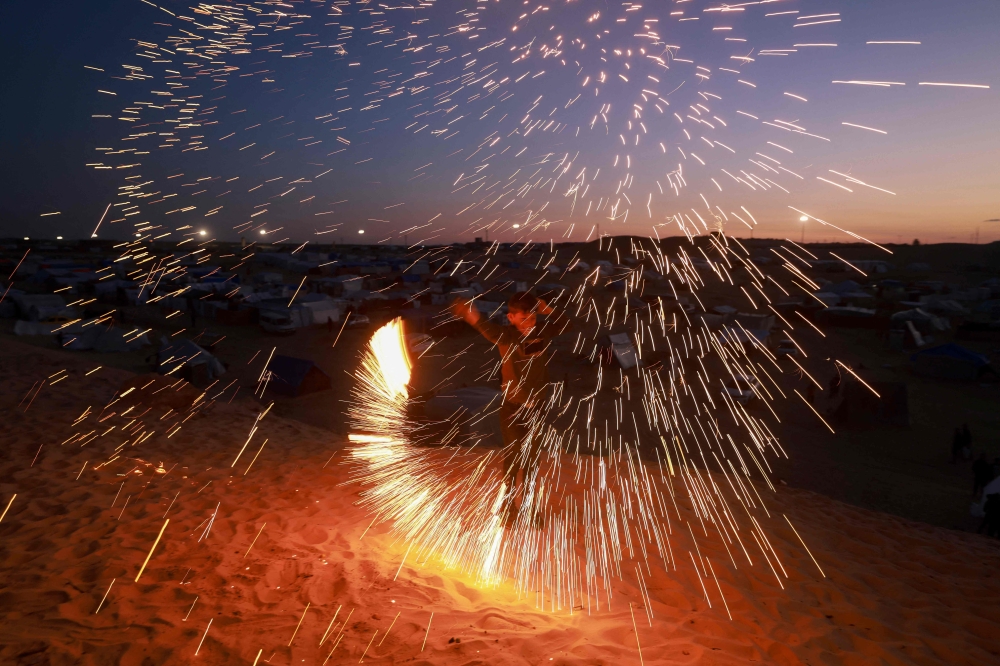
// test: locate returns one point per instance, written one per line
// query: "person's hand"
(464, 310)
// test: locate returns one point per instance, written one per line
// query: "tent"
(174, 356)
(101, 338)
(949, 361)
(923, 321)
(752, 321)
(859, 406)
(295, 376)
(943, 307)
(322, 307)
(37, 307)
(841, 288)
(623, 350)
(24, 327)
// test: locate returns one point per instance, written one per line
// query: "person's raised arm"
(466, 311)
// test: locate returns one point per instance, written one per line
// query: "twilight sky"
(441, 121)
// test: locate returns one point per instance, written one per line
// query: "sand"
(284, 554)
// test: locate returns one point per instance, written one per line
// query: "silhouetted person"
(524, 374)
(991, 521)
(982, 473)
(956, 445)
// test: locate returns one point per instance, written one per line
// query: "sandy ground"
(284, 555)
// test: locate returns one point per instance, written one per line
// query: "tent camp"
(859, 406)
(295, 376)
(949, 361)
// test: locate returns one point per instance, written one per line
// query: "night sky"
(420, 132)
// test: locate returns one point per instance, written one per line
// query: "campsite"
(915, 328)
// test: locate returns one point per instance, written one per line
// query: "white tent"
(174, 355)
(624, 350)
(322, 309)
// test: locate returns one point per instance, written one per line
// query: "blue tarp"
(951, 350)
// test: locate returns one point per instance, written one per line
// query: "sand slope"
(896, 592)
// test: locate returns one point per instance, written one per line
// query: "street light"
(803, 219)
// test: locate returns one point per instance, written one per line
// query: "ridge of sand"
(897, 592)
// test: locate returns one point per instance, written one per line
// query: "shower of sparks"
(682, 448)
(556, 120)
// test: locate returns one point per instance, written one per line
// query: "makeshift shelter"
(753, 321)
(623, 350)
(841, 288)
(187, 359)
(944, 307)
(298, 313)
(949, 361)
(859, 406)
(295, 376)
(101, 338)
(923, 321)
(38, 307)
(24, 327)
(322, 307)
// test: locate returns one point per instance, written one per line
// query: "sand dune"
(78, 532)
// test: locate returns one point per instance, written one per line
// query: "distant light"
(203, 232)
(517, 226)
(262, 232)
(361, 231)
(26, 238)
(93, 235)
(138, 235)
(804, 218)
(58, 237)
